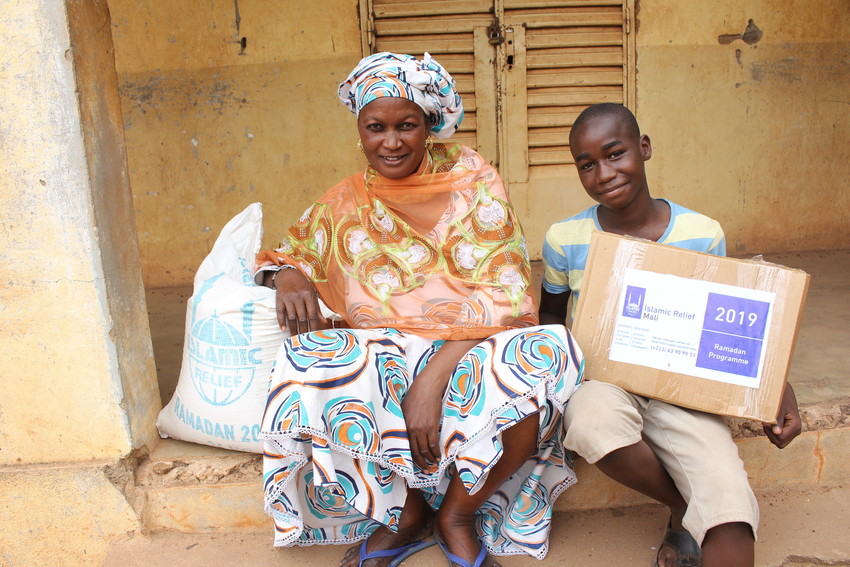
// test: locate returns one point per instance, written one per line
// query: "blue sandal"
(455, 560)
(398, 554)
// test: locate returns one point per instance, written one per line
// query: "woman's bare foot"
(415, 524)
(381, 539)
(457, 532)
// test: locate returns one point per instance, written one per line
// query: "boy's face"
(609, 156)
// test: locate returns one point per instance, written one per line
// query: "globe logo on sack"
(633, 305)
(221, 361)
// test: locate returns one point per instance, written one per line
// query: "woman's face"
(393, 132)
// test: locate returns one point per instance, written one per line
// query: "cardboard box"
(696, 330)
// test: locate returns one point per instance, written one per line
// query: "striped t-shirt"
(567, 242)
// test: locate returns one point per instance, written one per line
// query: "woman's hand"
(296, 302)
(423, 405)
(422, 409)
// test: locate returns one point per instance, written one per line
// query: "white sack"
(231, 342)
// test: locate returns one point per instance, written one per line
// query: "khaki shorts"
(696, 448)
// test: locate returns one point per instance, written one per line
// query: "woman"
(442, 395)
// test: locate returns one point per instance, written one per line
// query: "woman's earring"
(429, 142)
(360, 146)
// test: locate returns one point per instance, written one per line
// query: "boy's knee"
(600, 418)
(597, 403)
(584, 406)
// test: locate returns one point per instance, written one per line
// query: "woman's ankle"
(455, 527)
(417, 517)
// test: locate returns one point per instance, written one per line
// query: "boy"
(682, 458)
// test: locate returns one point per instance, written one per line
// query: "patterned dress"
(337, 461)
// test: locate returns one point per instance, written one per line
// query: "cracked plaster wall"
(226, 103)
(748, 109)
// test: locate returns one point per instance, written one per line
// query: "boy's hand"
(788, 422)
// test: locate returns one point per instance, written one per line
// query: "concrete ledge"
(211, 508)
(213, 490)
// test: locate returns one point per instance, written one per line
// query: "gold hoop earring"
(429, 143)
(360, 146)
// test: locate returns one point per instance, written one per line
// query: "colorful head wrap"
(424, 82)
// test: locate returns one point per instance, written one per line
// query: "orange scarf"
(439, 254)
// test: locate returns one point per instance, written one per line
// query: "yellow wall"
(211, 128)
(757, 136)
(753, 135)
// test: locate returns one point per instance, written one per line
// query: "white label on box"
(692, 327)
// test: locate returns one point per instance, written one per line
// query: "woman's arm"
(423, 405)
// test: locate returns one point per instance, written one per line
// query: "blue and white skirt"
(337, 462)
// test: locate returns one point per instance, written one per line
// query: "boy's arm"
(788, 422)
(553, 307)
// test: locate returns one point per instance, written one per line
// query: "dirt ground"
(799, 529)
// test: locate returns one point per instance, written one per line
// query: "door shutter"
(567, 55)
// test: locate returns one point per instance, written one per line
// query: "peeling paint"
(273, 119)
(751, 36)
(154, 91)
(122, 475)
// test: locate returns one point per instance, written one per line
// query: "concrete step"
(196, 489)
